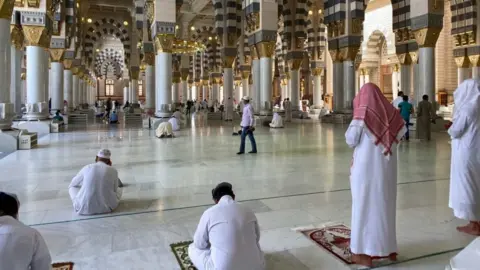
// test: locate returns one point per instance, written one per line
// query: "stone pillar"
(57, 69)
(16, 50)
(75, 88)
(126, 96)
(348, 55)
(245, 84)
(265, 50)
(338, 80)
(414, 89)
(395, 81)
(405, 71)
(37, 39)
(362, 78)
(317, 88)
(68, 83)
(255, 90)
(149, 59)
(228, 82)
(184, 84)
(294, 82)
(134, 75)
(475, 60)
(463, 72)
(7, 111)
(176, 88)
(163, 75)
(284, 85)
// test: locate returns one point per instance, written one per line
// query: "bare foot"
(362, 259)
(472, 228)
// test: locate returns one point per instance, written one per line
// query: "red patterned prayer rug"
(62, 266)
(335, 239)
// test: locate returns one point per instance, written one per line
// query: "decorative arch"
(372, 24)
(109, 57)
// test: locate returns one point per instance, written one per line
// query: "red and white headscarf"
(380, 118)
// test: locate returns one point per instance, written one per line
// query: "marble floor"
(300, 177)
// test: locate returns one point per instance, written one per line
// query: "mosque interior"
(73, 56)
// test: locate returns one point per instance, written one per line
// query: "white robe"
(94, 190)
(179, 116)
(22, 247)
(165, 129)
(288, 111)
(373, 180)
(277, 121)
(175, 123)
(227, 238)
(465, 167)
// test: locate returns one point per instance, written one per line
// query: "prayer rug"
(335, 239)
(181, 253)
(62, 266)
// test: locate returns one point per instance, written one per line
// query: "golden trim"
(67, 64)
(475, 60)
(404, 58)
(36, 36)
(6, 9)
(245, 74)
(317, 71)
(134, 74)
(265, 49)
(254, 52)
(427, 37)
(348, 53)
(149, 59)
(228, 61)
(414, 57)
(56, 55)
(294, 64)
(164, 43)
(462, 61)
(16, 37)
(335, 54)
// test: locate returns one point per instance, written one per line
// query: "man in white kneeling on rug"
(228, 235)
(96, 188)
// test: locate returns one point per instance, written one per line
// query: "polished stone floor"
(300, 177)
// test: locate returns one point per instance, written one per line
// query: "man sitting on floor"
(164, 130)
(227, 236)
(96, 188)
(175, 123)
(21, 247)
(277, 121)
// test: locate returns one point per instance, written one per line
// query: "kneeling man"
(164, 130)
(277, 121)
(227, 236)
(96, 188)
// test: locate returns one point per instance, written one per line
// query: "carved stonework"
(414, 57)
(317, 71)
(396, 68)
(19, 3)
(56, 55)
(357, 26)
(335, 54)
(245, 74)
(134, 73)
(67, 64)
(228, 61)
(254, 52)
(36, 36)
(149, 59)
(164, 43)
(462, 62)
(266, 49)
(6, 9)
(57, 43)
(33, 3)
(404, 58)
(294, 64)
(475, 60)
(184, 74)
(16, 36)
(427, 37)
(348, 53)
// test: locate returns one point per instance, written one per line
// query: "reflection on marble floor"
(299, 178)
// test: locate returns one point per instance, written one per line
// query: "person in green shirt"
(406, 109)
(58, 117)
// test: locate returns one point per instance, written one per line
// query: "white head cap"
(247, 98)
(104, 153)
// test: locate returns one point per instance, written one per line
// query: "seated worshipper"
(465, 161)
(114, 118)
(21, 247)
(179, 116)
(175, 123)
(227, 236)
(277, 121)
(96, 188)
(374, 133)
(164, 130)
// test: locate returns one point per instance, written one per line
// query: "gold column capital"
(228, 61)
(427, 37)
(265, 49)
(36, 36)
(317, 71)
(56, 55)
(217, 80)
(475, 60)
(294, 64)
(175, 79)
(67, 64)
(404, 58)
(16, 36)
(245, 74)
(348, 53)
(164, 43)
(6, 9)
(414, 57)
(335, 54)
(75, 70)
(254, 52)
(462, 62)
(396, 68)
(134, 74)
(149, 59)
(184, 75)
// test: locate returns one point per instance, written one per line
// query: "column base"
(9, 141)
(39, 127)
(165, 111)
(7, 113)
(36, 111)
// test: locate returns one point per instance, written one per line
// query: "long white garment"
(227, 238)
(94, 190)
(288, 111)
(397, 101)
(373, 180)
(165, 129)
(277, 121)
(465, 162)
(22, 247)
(468, 258)
(175, 123)
(179, 116)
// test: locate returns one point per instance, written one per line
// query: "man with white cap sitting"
(96, 188)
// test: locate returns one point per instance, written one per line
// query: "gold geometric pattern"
(36, 36)
(16, 37)
(57, 55)
(6, 9)
(266, 49)
(427, 37)
(164, 43)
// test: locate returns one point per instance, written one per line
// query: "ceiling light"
(176, 26)
(97, 50)
(310, 12)
(192, 28)
(125, 23)
(89, 20)
(320, 11)
(83, 19)
(78, 5)
(209, 38)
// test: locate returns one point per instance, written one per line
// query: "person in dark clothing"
(108, 108)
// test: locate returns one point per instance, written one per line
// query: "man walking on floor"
(248, 126)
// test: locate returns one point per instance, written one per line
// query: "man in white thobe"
(164, 130)
(95, 189)
(228, 235)
(179, 116)
(398, 100)
(229, 110)
(465, 161)
(277, 121)
(288, 110)
(21, 247)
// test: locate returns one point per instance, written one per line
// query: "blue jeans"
(245, 132)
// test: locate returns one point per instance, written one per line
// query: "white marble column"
(15, 79)
(475, 73)
(37, 77)
(176, 91)
(48, 73)
(228, 88)
(7, 111)
(284, 86)
(317, 88)
(266, 90)
(357, 81)
(204, 91)
(362, 78)
(395, 78)
(255, 90)
(463, 74)
(57, 86)
(349, 85)
(81, 85)
(238, 92)
(338, 80)
(163, 84)
(134, 91)
(68, 87)
(215, 92)
(294, 88)
(75, 89)
(426, 62)
(184, 91)
(245, 85)
(405, 79)
(150, 87)
(125, 93)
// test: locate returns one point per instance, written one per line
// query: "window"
(140, 88)
(109, 87)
